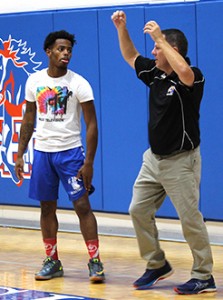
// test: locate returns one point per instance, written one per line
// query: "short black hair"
(176, 37)
(61, 34)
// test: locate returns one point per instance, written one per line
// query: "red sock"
(51, 248)
(92, 247)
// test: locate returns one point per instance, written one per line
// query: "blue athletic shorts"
(49, 168)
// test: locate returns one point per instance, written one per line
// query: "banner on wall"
(17, 62)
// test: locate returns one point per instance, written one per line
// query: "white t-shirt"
(58, 124)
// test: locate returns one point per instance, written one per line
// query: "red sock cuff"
(51, 247)
(93, 248)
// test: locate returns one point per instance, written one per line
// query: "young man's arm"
(26, 132)
(86, 171)
(126, 45)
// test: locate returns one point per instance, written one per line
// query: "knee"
(48, 208)
(82, 207)
(134, 209)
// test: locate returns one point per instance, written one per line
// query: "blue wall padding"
(121, 100)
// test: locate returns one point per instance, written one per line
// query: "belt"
(160, 157)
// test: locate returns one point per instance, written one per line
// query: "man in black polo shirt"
(172, 164)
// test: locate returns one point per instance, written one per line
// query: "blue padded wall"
(14, 28)
(210, 60)
(124, 111)
(83, 63)
(121, 99)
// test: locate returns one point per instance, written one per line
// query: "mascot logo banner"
(17, 62)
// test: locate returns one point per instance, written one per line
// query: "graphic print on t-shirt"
(52, 102)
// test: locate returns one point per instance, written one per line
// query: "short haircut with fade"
(176, 37)
(53, 36)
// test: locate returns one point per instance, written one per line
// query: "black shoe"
(150, 277)
(51, 269)
(196, 286)
(96, 270)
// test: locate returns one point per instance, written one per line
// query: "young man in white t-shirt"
(55, 98)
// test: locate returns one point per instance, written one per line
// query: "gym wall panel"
(124, 111)
(21, 40)
(121, 99)
(85, 61)
(210, 60)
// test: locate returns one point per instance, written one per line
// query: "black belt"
(160, 157)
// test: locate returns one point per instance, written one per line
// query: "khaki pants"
(178, 177)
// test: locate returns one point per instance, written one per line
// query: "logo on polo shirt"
(170, 90)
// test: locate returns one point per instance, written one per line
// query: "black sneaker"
(196, 286)
(96, 270)
(150, 277)
(51, 268)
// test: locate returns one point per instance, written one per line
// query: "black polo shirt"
(173, 108)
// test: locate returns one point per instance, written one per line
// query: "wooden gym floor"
(21, 255)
